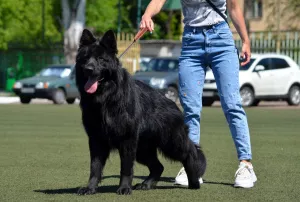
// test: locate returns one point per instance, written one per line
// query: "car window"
(55, 71)
(72, 75)
(279, 63)
(266, 62)
(247, 66)
(162, 65)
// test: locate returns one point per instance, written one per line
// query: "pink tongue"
(91, 85)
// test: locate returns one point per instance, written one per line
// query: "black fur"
(131, 117)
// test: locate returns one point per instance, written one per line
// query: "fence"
(288, 43)
(131, 59)
(26, 63)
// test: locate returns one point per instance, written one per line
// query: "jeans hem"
(245, 157)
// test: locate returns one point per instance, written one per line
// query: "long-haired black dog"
(121, 113)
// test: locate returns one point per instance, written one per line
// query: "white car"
(267, 77)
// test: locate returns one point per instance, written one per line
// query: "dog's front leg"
(98, 154)
(127, 152)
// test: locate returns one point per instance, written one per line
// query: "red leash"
(136, 37)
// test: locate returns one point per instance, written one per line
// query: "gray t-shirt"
(199, 13)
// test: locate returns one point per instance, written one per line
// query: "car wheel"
(25, 100)
(294, 95)
(207, 102)
(172, 93)
(59, 96)
(256, 102)
(247, 96)
(70, 100)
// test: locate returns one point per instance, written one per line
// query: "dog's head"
(96, 60)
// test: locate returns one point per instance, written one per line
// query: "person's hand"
(147, 22)
(246, 53)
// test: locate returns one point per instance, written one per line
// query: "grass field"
(44, 157)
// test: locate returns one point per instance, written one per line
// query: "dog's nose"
(88, 71)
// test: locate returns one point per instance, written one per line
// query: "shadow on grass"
(218, 183)
(102, 189)
(113, 188)
(162, 179)
(108, 189)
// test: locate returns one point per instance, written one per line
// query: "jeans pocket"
(224, 34)
(186, 38)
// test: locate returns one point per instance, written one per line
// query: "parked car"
(55, 82)
(161, 73)
(269, 77)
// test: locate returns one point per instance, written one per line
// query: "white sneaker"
(181, 178)
(245, 176)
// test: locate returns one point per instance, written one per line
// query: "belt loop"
(194, 30)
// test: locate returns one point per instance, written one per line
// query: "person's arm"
(152, 9)
(238, 20)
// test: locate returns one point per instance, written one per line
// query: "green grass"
(44, 157)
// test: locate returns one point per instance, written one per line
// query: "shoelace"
(242, 170)
(181, 172)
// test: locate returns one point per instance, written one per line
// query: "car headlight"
(18, 85)
(157, 82)
(41, 85)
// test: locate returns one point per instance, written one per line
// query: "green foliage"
(161, 21)
(21, 22)
(102, 15)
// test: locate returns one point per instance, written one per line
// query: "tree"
(247, 4)
(287, 11)
(102, 15)
(73, 13)
(23, 22)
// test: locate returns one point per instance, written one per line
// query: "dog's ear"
(87, 38)
(109, 41)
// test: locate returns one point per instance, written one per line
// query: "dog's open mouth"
(91, 85)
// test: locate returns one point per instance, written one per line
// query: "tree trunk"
(247, 5)
(74, 22)
(168, 24)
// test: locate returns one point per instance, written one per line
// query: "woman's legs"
(192, 70)
(225, 65)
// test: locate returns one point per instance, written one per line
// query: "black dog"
(121, 113)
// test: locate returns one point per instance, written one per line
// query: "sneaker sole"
(186, 184)
(250, 185)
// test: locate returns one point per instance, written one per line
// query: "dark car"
(161, 73)
(55, 82)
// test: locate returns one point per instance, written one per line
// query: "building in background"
(270, 15)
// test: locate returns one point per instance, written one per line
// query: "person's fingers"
(246, 57)
(142, 24)
(152, 26)
(149, 25)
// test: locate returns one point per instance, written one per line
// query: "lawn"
(44, 157)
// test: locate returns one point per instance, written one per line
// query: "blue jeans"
(212, 46)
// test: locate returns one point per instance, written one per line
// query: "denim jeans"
(212, 46)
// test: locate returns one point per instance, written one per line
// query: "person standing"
(207, 41)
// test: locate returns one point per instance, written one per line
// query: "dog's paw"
(194, 186)
(86, 191)
(143, 186)
(124, 191)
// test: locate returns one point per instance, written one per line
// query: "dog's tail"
(198, 156)
(196, 159)
(201, 161)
